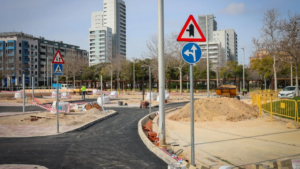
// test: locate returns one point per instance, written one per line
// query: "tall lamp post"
(80, 78)
(243, 68)
(207, 37)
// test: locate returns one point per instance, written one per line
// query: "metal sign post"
(101, 94)
(192, 115)
(57, 90)
(32, 81)
(150, 88)
(191, 53)
(23, 84)
(58, 70)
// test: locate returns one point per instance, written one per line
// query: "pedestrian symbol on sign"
(58, 69)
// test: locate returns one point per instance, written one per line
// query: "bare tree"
(291, 42)
(175, 58)
(271, 37)
(152, 45)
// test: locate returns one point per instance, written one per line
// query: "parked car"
(288, 92)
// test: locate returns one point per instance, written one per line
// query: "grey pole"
(161, 70)
(207, 83)
(57, 104)
(101, 93)
(133, 77)
(192, 116)
(23, 84)
(47, 72)
(291, 74)
(243, 69)
(150, 88)
(51, 76)
(32, 84)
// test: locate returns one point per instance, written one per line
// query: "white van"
(67, 86)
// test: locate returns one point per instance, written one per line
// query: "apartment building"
(100, 40)
(47, 50)
(107, 34)
(229, 42)
(114, 17)
(214, 53)
(18, 53)
(23, 52)
(211, 26)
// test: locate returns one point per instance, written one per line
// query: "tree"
(176, 60)
(235, 67)
(152, 45)
(263, 66)
(270, 38)
(290, 43)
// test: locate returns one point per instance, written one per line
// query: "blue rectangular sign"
(57, 69)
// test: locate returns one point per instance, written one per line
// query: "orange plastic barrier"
(148, 126)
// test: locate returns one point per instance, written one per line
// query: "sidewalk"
(21, 166)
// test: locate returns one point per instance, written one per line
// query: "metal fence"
(274, 106)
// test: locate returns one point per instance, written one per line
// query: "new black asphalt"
(112, 143)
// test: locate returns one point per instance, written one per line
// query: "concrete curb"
(85, 126)
(21, 166)
(166, 158)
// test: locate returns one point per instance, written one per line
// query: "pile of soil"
(216, 109)
(90, 115)
(94, 105)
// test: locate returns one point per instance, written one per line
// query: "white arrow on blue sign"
(191, 53)
(58, 69)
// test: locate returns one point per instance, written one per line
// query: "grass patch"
(282, 108)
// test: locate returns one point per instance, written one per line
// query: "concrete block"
(264, 167)
(200, 167)
(273, 164)
(284, 162)
(255, 166)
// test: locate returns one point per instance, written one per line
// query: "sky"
(69, 20)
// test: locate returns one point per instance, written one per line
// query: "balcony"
(32, 68)
(32, 61)
(26, 46)
(43, 56)
(42, 50)
(10, 54)
(43, 63)
(11, 61)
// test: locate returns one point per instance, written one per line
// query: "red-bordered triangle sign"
(191, 32)
(58, 58)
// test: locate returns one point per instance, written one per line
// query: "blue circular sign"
(191, 53)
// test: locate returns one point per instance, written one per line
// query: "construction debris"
(93, 105)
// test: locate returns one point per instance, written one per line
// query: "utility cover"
(58, 69)
(58, 58)
(191, 32)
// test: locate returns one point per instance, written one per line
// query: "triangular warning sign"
(191, 32)
(58, 58)
(58, 69)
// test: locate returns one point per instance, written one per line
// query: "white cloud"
(233, 9)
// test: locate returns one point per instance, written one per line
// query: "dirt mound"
(90, 115)
(216, 109)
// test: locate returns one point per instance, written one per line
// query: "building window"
(35, 66)
(20, 45)
(20, 52)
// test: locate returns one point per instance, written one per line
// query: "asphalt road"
(112, 143)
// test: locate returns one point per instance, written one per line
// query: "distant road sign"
(58, 69)
(191, 32)
(58, 58)
(191, 53)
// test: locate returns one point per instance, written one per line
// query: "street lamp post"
(80, 78)
(207, 37)
(243, 68)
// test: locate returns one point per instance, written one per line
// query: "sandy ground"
(48, 119)
(238, 143)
